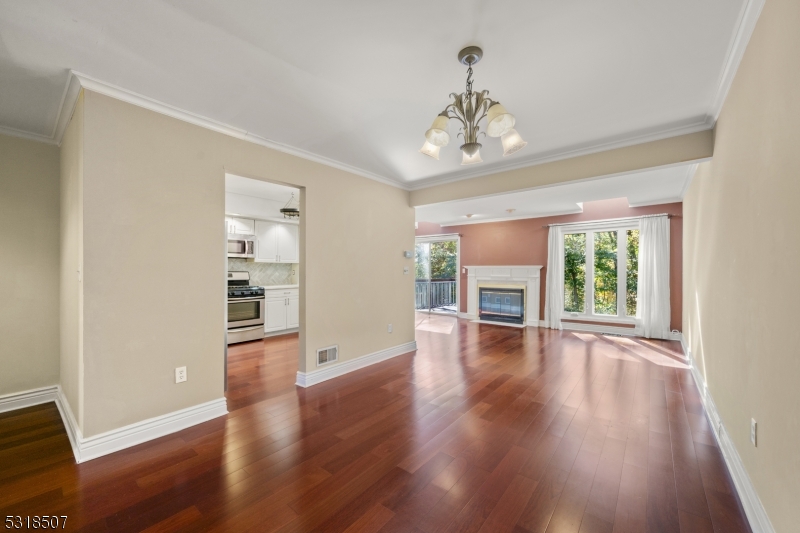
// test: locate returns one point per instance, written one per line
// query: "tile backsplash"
(266, 273)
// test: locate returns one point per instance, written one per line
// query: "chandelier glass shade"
(469, 109)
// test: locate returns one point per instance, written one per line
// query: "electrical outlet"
(753, 431)
(180, 374)
(390, 328)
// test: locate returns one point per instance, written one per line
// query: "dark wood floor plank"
(484, 428)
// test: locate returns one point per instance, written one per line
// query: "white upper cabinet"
(241, 225)
(288, 246)
(277, 242)
(267, 245)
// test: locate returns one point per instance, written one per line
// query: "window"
(600, 272)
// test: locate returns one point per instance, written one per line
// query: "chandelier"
(469, 108)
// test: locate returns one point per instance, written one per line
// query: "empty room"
(424, 267)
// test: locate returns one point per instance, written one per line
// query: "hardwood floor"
(484, 429)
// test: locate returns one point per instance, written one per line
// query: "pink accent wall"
(524, 242)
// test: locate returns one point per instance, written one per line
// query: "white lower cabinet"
(293, 312)
(282, 309)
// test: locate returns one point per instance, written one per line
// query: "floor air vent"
(327, 355)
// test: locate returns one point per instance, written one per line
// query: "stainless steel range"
(245, 308)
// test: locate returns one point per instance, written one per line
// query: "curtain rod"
(609, 220)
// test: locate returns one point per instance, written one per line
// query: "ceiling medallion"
(469, 108)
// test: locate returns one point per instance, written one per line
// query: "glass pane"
(632, 272)
(422, 274)
(574, 272)
(443, 265)
(238, 311)
(605, 273)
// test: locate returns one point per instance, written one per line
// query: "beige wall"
(29, 210)
(153, 197)
(71, 227)
(682, 148)
(741, 258)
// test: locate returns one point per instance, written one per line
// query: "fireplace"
(502, 305)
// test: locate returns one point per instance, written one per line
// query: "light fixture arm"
(470, 108)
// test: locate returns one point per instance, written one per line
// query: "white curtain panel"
(652, 306)
(554, 284)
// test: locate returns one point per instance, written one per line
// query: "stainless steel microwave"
(241, 245)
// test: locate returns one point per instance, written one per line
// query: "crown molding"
(696, 126)
(578, 210)
(748, 18)
(119, 93)
(30, 136)
(66, 108)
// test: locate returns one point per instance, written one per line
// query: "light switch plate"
(180, 374)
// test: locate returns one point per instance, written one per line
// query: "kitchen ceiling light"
(291, 209)
(469, 108)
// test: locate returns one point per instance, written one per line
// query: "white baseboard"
(467, 316)
(281, 332)
(597, 328)
(753, 508)
(493, 323)
(307, 379)
(118, 439)
(85, 449)
(28, 398)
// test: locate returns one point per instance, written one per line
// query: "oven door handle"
(234, 300)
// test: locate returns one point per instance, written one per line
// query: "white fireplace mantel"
(527, 275)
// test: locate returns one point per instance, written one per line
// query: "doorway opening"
(262, 265)
(436, 268)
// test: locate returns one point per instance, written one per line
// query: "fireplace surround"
(525, 277)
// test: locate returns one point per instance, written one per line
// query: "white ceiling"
(259, 189)
(358, 81)
(641, 188)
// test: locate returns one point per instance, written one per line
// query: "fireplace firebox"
(502, 305)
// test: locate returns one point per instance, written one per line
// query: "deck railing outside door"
(435, 294)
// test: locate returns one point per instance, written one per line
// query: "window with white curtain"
(600, 271)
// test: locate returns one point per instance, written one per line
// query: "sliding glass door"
(436, 268)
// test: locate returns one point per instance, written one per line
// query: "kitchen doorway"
(263, 319)
(436, 267)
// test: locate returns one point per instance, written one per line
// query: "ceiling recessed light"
(469, 215)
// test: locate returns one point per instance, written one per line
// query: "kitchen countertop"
(271, 287)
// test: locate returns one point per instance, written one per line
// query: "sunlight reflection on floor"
(435, 323)
(635, 349)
